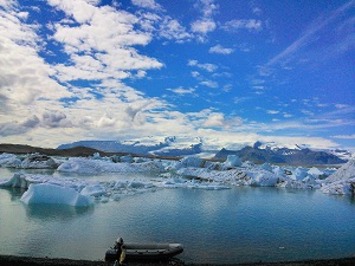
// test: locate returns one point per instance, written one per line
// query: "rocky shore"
(6, 260)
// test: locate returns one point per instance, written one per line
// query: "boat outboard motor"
(120, 253)
(118, 242)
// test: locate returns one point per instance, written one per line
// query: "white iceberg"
(315, 172)
(38, 161)
(54, 194)
(190, 161)
(92, 166)
(263, 178)
(347, 171)
(342, 182)
(94, 190)
(9, 160)
(232, 161)
(22, 181)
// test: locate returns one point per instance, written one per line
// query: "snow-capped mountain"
(163, 146)
(282, 155)
(258, 152)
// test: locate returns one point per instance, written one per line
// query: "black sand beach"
(6, 260)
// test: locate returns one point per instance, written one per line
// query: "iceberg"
(232, 161)
(190, 161)
(342, 182)
(263, 178)
(37, 161)
(92, 166)
(21, 181)
(9, 160)
(347, 171)
(54, 194)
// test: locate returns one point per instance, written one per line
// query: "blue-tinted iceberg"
(54, 194)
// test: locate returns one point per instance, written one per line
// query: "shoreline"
(9, 260)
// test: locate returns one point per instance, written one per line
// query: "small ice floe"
(54, 194)
(190, 161)
(92, 166)
(232, 162)
(9, 160)
(21, 181)
(38, 161)
(32, 161)
(263, 178)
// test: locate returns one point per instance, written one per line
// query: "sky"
(229, 71)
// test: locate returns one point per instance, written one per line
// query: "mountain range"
(283, 155)
(259, 152)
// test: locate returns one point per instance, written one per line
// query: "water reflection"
(53, 212)
(15, 194)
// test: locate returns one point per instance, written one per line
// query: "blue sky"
(230, 71)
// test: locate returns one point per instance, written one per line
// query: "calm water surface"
(226, 226)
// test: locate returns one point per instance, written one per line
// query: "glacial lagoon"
(241, 224)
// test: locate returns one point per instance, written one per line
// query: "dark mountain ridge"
(26, 149)
(281, 155)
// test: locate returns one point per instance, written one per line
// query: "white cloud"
(104, 34)
(182, 91)
(209, 83)
(206, 23)
(151, 4)
(272, 112)
(203, 26)
(241, 24)
(195, 74)
(207, 7)
(171, 29)
(341, 106)
(219, 49)
(348, 137)
(24, 76)
(214, 120)
(8, 4)
(206, 66)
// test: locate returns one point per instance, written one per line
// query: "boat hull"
(149, 252)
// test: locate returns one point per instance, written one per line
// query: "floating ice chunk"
(16, 181)
(299, 173)
(232, 161)
(151, 166)
(37, 161)
(9, 160)
(347, 171)
(341, 187)
(93, 190)
(190, 161)
(213, 165)
(315, 172)
(342, 181)
(266, 166)
(22, 181)
(278, 171)
(53, 194)
(139, 185)
(92, 167)
(263, 178)
(127, 159)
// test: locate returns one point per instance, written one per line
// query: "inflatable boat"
(145, 252)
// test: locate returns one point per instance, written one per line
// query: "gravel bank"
(29, 261)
